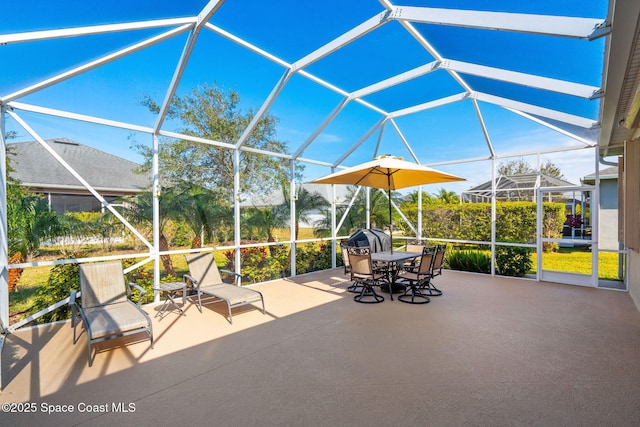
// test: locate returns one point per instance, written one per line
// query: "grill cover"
(377, 239)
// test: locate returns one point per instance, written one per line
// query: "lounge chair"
(105, 308)
(204, 279)
(364, 276)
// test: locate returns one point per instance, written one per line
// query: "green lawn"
(571, 260)
(579, 261)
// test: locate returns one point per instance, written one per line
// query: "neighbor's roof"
(35, 167)
(521, 181)
(606, 173)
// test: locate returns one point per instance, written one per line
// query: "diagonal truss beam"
(264, 108)
(530, 80)
(397, 79)
(77, 176)
(358, 143)
(429, 105)
(343, 103)
(90, 30)
(582, 28)
(202, 19)
(536, 110)
(346, 38)
(94, 64)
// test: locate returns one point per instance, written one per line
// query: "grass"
(566, 259)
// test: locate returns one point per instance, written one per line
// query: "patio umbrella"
(387, 173)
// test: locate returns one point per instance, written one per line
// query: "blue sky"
(291, 29)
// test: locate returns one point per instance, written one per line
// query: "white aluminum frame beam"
(536, 110)
(582, 28)
(530, 80)
(77, 176)
(90, 30)
(204, 15)
(264, 108)
(359, 142)
(397, 79)
(341, 41)
(343, 103)
(429, 105)
(95, 64)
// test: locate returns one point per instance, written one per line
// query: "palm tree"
(306, 202)
(200, 210)
(139, 210)
(266, 221)
(447, 197)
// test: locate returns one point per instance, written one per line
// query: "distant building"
(38, 171)
(608, 219)
(513, 188)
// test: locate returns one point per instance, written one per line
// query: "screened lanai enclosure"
(223, 102)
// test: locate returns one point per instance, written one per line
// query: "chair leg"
(431, 290)
(368, 292)
(413, 295)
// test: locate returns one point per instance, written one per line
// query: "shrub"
(257, 265)
(62, 280)
(513, 261)
(469, 260)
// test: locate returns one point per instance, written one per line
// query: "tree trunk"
(166, 259)
(15, 273)
(196, 243)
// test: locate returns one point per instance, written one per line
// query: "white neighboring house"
(39, 172)
(608, 220)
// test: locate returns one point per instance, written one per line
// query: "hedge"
(515, 221)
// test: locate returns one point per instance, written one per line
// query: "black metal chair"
(428, 287)
(416, 277)
(364, 276)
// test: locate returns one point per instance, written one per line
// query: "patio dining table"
(393, 261)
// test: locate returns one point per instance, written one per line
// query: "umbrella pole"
(390, 220)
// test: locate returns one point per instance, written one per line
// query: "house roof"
(607, 173)
(521, 181)
(35, 167)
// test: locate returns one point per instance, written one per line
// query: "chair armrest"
(237, 276)
(189, 280)
(140, 290)
(72, 298)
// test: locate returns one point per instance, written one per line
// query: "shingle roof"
(35, 167)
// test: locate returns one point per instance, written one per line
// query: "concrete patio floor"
(490, 351)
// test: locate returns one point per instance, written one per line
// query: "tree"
(210, 112)
(266, 221)
(356, 217)
(446, 197)
(197, 208)
(520, 167)
(34, 223)
(139, 210)
(305, 202)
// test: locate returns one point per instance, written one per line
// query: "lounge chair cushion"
(113, 319)
(234, 294)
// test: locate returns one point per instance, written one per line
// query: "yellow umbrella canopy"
(388, 173)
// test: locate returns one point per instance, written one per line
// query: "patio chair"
(105, 308)
(417, 277)
(364, 276)
(204, 279)
(345, 258)
(436, 270)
